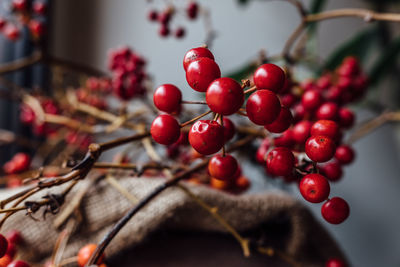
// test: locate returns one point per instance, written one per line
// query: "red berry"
(301, 131)
(180, 32)
(334, 94)
(270, 77)
(3, 22)
(334, 262)
(311, 100)
(18, 263)
(324, 81)
(164, 31)
(192, 10)
(195, 53)
(280, 161)
(3, 245)
(314, 188)
(11, 250)
(19, 163)
(39, 7)
(349, 67)
(346, 118)
(328, 111)
(344, 154)
(37, 28)
(152, 15)
(282, 123)
(286, 139)
(201, 73)
(222, 167)
(320, 148)
(11, 32)
(326, 128)
(307, 84)
(206, 137)
(263, 107)
(20, 5)
(15, 237)
(165, 129)
(165, 17)
(299, 112)
(288, 100)
(335, 210)
(225, 96)
(167, 98)
(229, 129)
(262, 151)
(332, 171)
(85, 253)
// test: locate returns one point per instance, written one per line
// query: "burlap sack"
(302, 237)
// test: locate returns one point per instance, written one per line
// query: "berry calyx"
(194, 54)
(201, 73)
(280, 161)
(224, 96)
(270, 77)
(326, 128)
(222, 167)
(167, 98)
(320, 148)
(3, 245)
(344, 154)
(206, 137)
(85, 253)
(282, 123)
(165, 129)
(263, 107)
(335, 210)
(314, 188)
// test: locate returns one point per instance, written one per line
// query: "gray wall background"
(84, 31)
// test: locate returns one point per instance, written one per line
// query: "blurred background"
(84, 31)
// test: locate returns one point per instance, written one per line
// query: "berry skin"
(3, 245)
(18, 263)
(288, 100)
(311, 100)
(282, 123)
(301, 131)
(206, 137)
(85, 253)
(346, 118)
(344, 154)
(335, 210)
(195, 53)
(165, 129)
(223, 167)
(326, 128)
(167, 98)
(270, 77)
(229, 129)
(224, 96)
(280, 161)
(328, 111)
(19, 163)
(320, 148)
(15, 237)
(263, 107)
(332, 171)
(314, 188)
(334, 262)
(201, 73)
(286, 139)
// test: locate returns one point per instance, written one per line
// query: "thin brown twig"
(195, 118)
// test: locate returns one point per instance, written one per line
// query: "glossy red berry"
(11, 32)
(282, 123)
(3, 245)
(152, 15)
(320, 148)
(167, 98)
(229, 129)
(301, 131)
(335, 262)
(332, 171)
(165, 129)
(311, 100)
(263, 107)
(346, 118)
(39, 7)
(37, 28)
(286, 139)
(18, 263)
(223, 167)
(206, 137)
(270, 77)
(328, 111)
(15, 237)
(195, 53)
(225, 96)
(324, 81)
(344, 154)
(180, 32)
(20, 5)
(85, 253)
(326, 128)
(335, 210)
(280, 161)
(201, 73)
(314, 188)
(288, 100)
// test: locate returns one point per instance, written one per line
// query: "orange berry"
(85, 253)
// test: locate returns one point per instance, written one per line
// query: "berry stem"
(194, 102)
(195, 118)
(250, 90)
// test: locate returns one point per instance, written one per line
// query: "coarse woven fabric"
(303, 238)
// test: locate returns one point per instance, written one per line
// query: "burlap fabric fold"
(302, 237)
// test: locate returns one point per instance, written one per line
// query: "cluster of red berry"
(29, 14)
(128, 73)
(8, 250)
(164, 19)
(95, 91)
